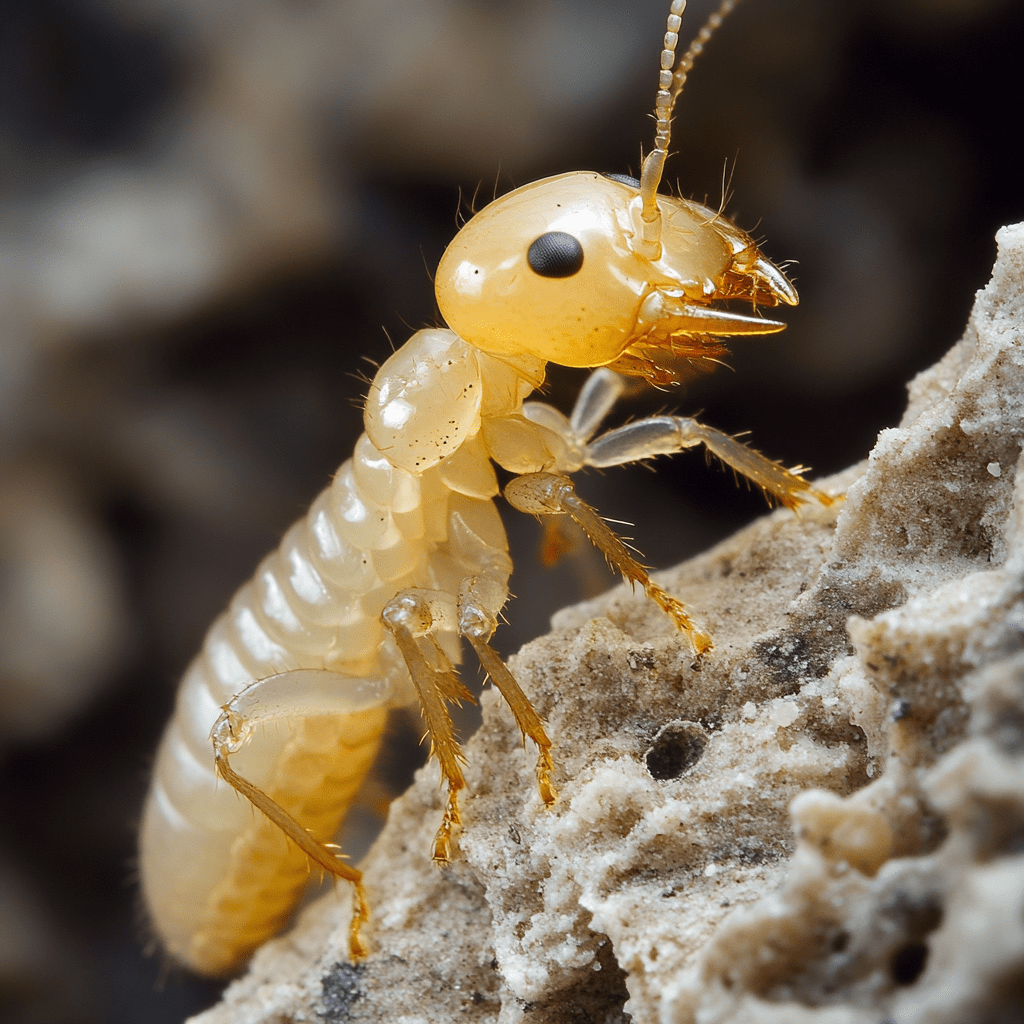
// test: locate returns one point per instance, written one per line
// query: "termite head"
(586, 269)
(560, 270)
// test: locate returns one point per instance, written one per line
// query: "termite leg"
(291, 695)
(412, 617)
(601, 390)
(409, 615)
(477, 622)
(666, 435)
(554, 494)
(309, 844)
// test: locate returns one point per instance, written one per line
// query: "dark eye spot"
(624, 179)
(556, 254)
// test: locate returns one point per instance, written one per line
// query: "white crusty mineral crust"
(823, 821)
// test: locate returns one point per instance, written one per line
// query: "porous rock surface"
(822, 821)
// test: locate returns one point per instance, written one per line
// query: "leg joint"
(539, 494)
(480, 600)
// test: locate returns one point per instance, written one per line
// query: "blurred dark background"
(214, 211)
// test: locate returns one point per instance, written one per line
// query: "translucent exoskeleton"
(365, 602)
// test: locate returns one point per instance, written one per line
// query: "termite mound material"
(823, 821)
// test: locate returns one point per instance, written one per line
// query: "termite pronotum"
(363, 605)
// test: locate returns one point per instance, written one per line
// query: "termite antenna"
(670, 85)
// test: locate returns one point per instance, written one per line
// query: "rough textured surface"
(822, 821)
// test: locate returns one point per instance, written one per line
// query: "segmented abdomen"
(218, 877)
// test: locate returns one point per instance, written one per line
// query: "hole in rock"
(908, 963)
(677, 747)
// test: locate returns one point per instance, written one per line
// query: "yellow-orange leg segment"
(434, 687)
(317, 851)
(554, 494)
(410, 617)
(524, 712)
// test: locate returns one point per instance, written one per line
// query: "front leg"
(656, 435)
(666, 435)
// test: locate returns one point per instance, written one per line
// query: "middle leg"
(554, 494)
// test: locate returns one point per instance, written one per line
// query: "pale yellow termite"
(363, 605)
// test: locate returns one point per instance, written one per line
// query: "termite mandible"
(363, 605)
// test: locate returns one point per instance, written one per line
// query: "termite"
(363, 605)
